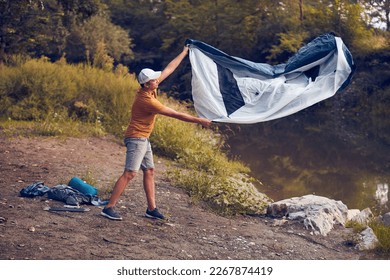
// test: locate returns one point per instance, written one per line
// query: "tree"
(378, 12)
(19, 25)
(38, 28)
(101, 59)
(84, 39)
(230, 25)
(288, 30)
(342, 17)
(77, 12)
(145, 21)
(51, 37)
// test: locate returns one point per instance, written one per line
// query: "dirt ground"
(192, 232)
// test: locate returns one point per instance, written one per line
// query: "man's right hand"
(205, 122)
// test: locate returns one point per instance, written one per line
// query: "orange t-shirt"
(143, 114)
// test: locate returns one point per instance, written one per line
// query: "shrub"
(382, 232)
(230, 195)
(38, 89)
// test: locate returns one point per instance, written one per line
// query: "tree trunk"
(301, 10)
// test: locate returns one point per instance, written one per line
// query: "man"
(139, 153)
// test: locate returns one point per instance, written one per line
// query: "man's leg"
(149, 188)
(119, 187)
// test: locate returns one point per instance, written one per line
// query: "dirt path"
(193, 232)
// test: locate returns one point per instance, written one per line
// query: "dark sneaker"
(155, 214)
(111, 214)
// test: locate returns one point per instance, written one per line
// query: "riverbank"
(192, 232)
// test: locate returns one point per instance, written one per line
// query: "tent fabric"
(234, 90)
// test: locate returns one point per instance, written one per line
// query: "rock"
(352, 213)
(386, 219)
(277, 209)
(363, 217)
(318, 213)
(368, 240)
(279, 222)
(297, 215)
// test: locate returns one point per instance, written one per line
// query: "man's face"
(153, 84)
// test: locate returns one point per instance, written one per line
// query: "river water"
(306, 154)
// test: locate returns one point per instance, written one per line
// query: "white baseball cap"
(147, 74)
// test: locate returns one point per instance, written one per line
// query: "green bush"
(382, 232)
(38, 89)
(230, 195)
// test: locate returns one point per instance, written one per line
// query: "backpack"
(35, 189)
(68, 195)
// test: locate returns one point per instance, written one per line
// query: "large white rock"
(318, 213)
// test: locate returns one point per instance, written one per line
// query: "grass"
(381, 231)
(51, 127)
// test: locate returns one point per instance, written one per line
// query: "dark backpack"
(68, 195)
(35, 189)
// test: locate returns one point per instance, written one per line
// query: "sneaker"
(155, 214)
(111, 214)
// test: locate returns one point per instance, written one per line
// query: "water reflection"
(382, 194)
(297, 155)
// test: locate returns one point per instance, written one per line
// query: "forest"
(141, 33)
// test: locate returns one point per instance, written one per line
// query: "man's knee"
(129, 175)
(149, 172)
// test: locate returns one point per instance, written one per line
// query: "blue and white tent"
(234, 90)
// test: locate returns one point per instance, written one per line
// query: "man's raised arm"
(173, 64)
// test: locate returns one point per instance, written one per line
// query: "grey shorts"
(139, 154)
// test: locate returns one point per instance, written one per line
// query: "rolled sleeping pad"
(82, 186)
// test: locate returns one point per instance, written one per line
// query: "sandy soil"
(192, 232)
